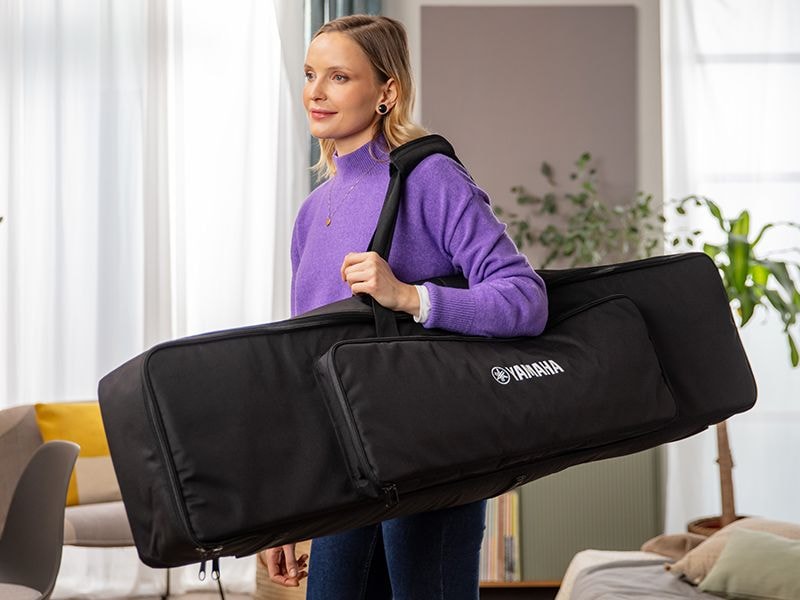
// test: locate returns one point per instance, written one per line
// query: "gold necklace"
(331, 211)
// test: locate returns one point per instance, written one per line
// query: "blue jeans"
(428, 556)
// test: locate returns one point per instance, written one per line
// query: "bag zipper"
(215, 571)
(373, 488)
(584, 273)
(591, 304)
(206, 551)
(279, 327)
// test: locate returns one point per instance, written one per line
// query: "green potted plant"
(591, 231)
(751, 279)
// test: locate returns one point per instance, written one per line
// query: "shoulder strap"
(403, 160)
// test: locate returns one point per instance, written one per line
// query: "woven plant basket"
(266, 590)
(707, 526)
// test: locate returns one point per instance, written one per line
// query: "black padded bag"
(229, 442)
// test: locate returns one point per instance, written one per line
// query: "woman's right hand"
(282, 565)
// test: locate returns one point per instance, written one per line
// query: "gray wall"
(514, 86)
(608, 505)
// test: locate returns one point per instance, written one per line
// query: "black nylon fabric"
(229, 442)
(686, 310)
(594, 364)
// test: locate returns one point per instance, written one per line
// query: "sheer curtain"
(152, 157)
(731, 91)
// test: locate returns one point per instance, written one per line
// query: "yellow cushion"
(93, 479)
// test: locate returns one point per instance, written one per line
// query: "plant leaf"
(712, 250)
(739, 251)
(550, 204)
(759, 273)
(761, 233)
(778, 304)
(714, 210)
(747, 305)
(795, 358)
(528, 199)
(781, 273)
(547, 171)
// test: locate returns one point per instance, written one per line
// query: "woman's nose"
(317, 91)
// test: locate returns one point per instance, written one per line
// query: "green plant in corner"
(593, 229)
(751, 280)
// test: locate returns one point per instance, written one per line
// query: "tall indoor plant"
(751, 279)
(591, 231)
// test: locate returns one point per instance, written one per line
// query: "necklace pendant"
(328, 222)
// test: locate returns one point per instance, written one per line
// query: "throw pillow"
(674, 546)
(756, 565)
(697, 563)
(93, 479)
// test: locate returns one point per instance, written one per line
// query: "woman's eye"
(340, 77)
(309, 75)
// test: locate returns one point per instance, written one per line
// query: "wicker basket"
(707, 526)
(266, 590)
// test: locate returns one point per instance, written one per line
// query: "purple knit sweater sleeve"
(505, 296)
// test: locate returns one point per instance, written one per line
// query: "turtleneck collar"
(356, 163)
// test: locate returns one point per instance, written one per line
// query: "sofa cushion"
(93, 479)
(673, 546)
(697, 563)
(102, 524)
(758, 565)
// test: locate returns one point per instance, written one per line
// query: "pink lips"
(320, 114)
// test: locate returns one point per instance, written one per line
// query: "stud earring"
(382, 108)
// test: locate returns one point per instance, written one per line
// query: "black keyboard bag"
(229, 442)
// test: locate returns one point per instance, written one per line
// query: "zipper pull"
(391, 495)
(215, 569)
(202, 574)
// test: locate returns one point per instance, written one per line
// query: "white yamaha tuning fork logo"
(501, 375)
(504, 375)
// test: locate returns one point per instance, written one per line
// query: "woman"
(359, 96)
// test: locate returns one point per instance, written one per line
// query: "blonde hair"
(384, 42)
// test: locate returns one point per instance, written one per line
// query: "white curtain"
(731, 90)
(152, 158)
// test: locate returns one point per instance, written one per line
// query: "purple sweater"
(445, 227)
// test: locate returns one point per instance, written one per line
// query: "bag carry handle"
(403, 160)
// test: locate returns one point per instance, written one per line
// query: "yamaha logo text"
(542, 368)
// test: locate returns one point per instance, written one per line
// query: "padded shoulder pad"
(404, 158)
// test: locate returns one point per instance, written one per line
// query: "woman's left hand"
(368, 273)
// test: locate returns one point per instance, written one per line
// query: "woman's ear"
(389, 95)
